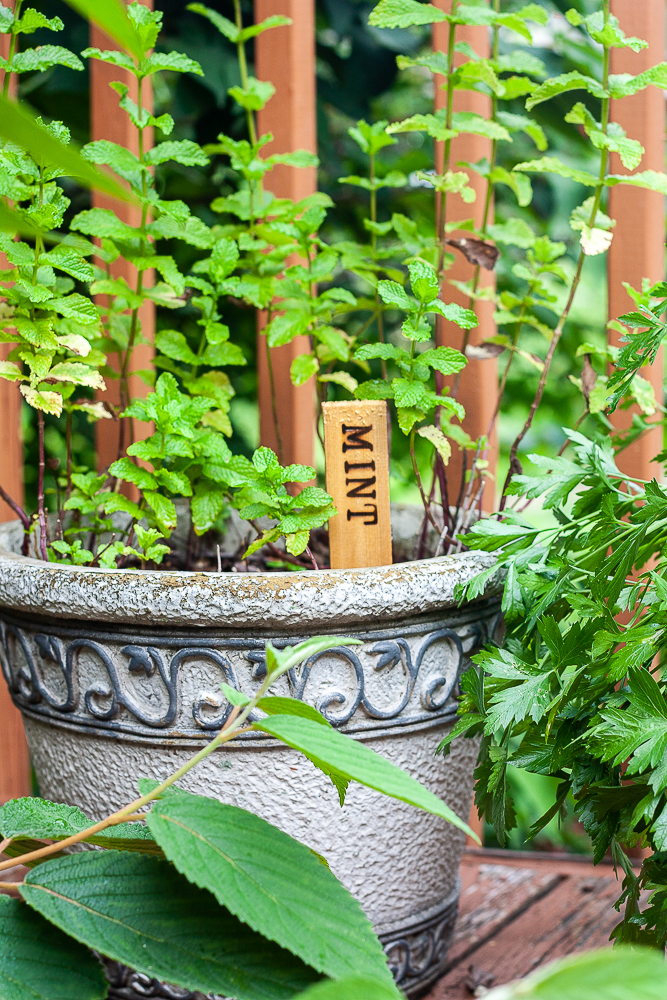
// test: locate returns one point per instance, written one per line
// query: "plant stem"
(20, 513)
(415, 469)
(5, 844)
(274, 401)
(68, 446)
(12, 49)
(40, 488)
(604, 158)
(243, 70)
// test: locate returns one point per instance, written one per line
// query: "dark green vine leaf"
(138, 910)
(356, 762)
(352, 988)
(39, 962)
(270, 881)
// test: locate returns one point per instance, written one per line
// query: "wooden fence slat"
(108, 121)
(14, 760)
(638, 247)
(478, 387)
(286, 57)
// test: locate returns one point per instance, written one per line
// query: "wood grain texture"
(638, 247)
(108, 121)
(478, 387)
(518, 912)
(357, 464)
(286, 57)
(14, 761)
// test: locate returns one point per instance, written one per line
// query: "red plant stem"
(21, 514)
(40, 489)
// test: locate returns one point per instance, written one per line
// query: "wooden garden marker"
(638, 247)
(357, 463)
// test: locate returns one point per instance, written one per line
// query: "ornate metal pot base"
(416, 952)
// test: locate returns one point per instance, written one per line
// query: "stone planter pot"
(118, 672)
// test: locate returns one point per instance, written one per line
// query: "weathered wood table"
(520, 910)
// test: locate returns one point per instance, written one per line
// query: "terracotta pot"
(118, 673)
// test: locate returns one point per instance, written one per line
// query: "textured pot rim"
(327, 599)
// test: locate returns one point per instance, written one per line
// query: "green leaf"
(190, 154)
(39, 962)
(344, 379)
(173, 344)
(235, 697)
(352, 988)
(17, 125)
(605, 974)
(137, 910)
(652, 180)
(303, 367)
(111, 17)
(515, 231)
(467, 121)
(255, 95)
(275, 705)
(224, 26)
(163, 508)
(356, 761)
(43, 820)
(207, 504)
(404, 14)
(32, 19)
(174, 62)
(44, 57)
(393, 294)
(438, 440)
(270, 881)
(560, 84)
(552, 165)
(447, 360)
(126, 469)
(465, 318)
(47, 402)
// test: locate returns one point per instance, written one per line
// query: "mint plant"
(371, 311)
(231, 904)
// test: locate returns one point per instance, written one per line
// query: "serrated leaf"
(39, 962)
(137, 910)
(438, 440)
(560, 84)
(184, 151)
(552, 165)
(47, 402)
(404, 14)
(42, 57)
(111, 17)
(126, 470)
(356, 761)
(18, 126)
(303, 367)
(270, 881)
(354, 988)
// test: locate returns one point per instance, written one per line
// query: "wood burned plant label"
(357, 471)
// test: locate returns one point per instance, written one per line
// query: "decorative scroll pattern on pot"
(171, 684)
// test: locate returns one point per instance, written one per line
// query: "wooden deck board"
(518, 912)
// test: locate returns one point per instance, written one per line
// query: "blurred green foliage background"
(357, 78)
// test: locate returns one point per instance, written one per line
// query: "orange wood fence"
(14, 762)
(286, 56)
